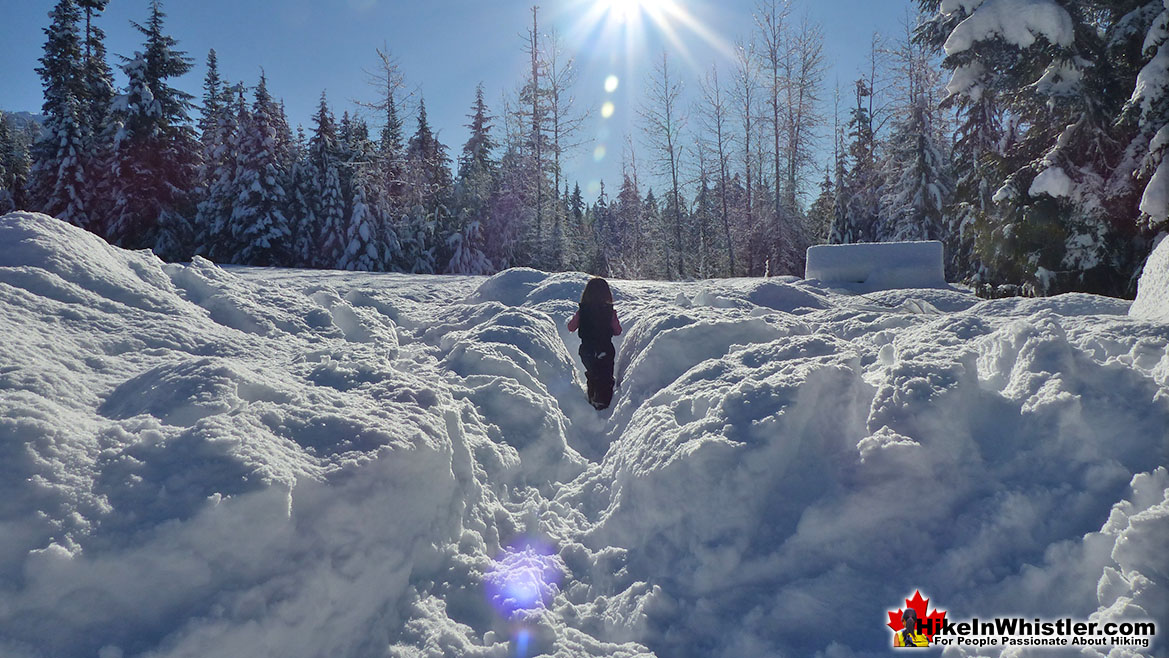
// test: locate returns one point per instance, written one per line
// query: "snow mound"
(56, 260)
(221, 462)
(510, 287)
(1152, 302)
(878, 266)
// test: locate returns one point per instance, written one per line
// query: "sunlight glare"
(630, 20)
(607, 109)
(626, 10)
(611, 83)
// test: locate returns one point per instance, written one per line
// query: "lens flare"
(522, 638)
(523, 581)
(611, 83)
(607, 109)
(599, 152)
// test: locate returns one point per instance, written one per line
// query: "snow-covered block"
(878, 265)
(1152, 301)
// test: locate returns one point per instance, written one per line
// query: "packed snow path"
(205, 461)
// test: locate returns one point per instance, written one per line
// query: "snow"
(967, 80)
(1053, 182)
(222, 462)
(1155, 198)
(1018, 22)
(878, 266)
(1152, 302)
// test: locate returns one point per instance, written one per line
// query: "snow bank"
(200, 461)
(1152, 302)
(878, 266)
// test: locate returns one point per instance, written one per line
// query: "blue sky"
(445, 47)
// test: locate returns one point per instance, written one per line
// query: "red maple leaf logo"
(930, 623)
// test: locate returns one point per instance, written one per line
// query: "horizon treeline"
(1033, 150)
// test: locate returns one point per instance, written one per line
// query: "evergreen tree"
(392, 153)
(1063, 218)
(330, 202)
(301, 212)
(365, 249)
(155, 153)
(14, 166)
(1148, 110)
(621, 239)
(472, 195)
(258, 225)
(427, 222)
(857, 209)
(917, 181)
(601, 223)
(221, 137)
(477, 150)
(511, 212)
(822, 211)
(58, 181)
(97, 76)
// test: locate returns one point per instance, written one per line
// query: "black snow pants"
(598, 363)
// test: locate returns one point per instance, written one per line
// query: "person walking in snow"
(597, 320)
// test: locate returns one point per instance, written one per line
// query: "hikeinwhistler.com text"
(1016, 631)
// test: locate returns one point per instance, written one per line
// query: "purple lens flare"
(523, 581)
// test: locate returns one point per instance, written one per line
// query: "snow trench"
(206, 461)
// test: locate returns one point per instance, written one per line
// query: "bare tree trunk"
(745, 86)
(663, 126)
(716, 112)
(565, 123)
(537, 129)
(772, 23)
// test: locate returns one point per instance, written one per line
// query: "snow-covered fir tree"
(330, 201)
(822, 211)
(427, 221)
(14, 166)
(98, 78)
(620, 239)
(918, 185)
(58, 182)
(302, 204)
(213, 218)
(155, 152)
(472, 194)
(1057, 70)
(1148, 109)
(365, 246)
(511, 212)
(258, 225)
(857, 201)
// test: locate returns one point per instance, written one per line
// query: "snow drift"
(1152, 302)
(201, 461)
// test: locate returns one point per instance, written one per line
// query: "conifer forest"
(1030, 140)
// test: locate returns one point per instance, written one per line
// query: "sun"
(627, 10)
(630, 20)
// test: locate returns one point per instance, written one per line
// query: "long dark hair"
(596, 292)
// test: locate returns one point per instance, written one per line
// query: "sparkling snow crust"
(226, 462)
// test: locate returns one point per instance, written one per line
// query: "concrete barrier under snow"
(878, 265)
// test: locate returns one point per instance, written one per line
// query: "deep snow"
(206, 461)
